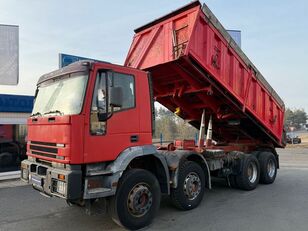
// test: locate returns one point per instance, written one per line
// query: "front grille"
(44, 154)
(44, 143)
(44, 149)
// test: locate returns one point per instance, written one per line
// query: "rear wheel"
(137, 199)
(248, 179)
(191, 186)
(268, 167)
(232, 181)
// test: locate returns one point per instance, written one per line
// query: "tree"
(185, 130)
(288, 117)
(171, 126)
(165, 113)
(300, 116)
(295, 118)
(165, 124)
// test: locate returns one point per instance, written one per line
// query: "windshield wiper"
(54, 111)
(36, 114)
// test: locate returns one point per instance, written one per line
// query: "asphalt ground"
(280, 206)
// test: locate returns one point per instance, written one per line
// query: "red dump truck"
(90, 134)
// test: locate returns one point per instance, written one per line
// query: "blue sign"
(65, 59)
(16, 103)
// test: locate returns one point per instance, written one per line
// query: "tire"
(249, 177)
(185, 199)
(6, 159)
(125, 207)
(268, 167)
(232, 181)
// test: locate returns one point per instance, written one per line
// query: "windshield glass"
(62, 96)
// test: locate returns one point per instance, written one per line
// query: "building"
(14, 111)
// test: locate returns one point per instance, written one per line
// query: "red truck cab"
(91, 122)
(75, 97)
(75, 123)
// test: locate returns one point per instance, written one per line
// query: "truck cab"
(88, 112)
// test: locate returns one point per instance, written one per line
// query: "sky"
(274, 36)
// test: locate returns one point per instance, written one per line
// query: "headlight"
(59, 187)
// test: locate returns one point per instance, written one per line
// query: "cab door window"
(101, 111)
(127, 83)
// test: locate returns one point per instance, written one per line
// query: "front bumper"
(64, 183)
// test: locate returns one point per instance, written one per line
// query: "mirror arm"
(109, 115)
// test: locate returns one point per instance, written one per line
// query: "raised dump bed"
(196, 65)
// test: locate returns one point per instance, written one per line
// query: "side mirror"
(116, 96)
(102, 116)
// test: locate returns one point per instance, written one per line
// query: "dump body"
(196, 65)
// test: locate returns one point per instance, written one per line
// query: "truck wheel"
(5, 159)
(137, 199)
(268, 167)
(232, 181)
(250, 174)
(191, 186)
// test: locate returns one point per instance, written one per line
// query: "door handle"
(134, 138)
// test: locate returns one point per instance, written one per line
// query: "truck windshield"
(62, 96)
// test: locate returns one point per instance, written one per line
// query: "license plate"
(36, 180)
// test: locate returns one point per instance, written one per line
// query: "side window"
(99, 104)
(127, 83)
(100, 107)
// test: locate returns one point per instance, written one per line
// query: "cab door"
(111, 130)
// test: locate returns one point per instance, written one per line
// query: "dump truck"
(90, 134)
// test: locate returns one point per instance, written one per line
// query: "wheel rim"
(252, 172)
(139, 200)
(192, 186)
(271, 168)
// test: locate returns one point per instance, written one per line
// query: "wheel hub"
(252, 172)
(271, 168)
(139, 200)
(192, 186)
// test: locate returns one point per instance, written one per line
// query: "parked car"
(293, 139)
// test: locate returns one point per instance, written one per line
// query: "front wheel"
(190, 188)
(137, 199)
